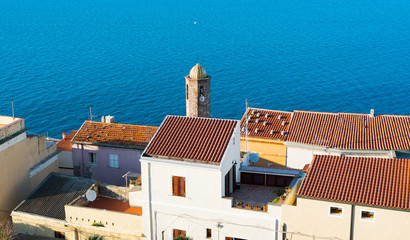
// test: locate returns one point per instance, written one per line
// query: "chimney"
(371, 112)
(108, 119)
(63, 135)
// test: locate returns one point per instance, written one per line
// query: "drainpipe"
(149, 200)
(352, 222)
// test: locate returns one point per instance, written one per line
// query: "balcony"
(256, 197)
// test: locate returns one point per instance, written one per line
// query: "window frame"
(177, 182)
(117, 161)
(59, 235)
(94, 158)
(367, 219)
(339, 215)
(208, 233)
(175, 232)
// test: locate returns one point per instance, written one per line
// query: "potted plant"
(239, 205)
(133, 183)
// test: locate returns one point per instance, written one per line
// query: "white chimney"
(108, 119)
(280, 116)
(283, 123)
(371, 112)
(266, 115)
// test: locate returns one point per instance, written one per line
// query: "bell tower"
(198, 93)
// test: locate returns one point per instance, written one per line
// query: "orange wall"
(270, 151)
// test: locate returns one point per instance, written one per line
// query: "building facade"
(25, 159)
(107, 151)
(351, 198)
(191, 185)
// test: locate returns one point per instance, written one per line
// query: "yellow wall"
(43, 226)
(16, 161)
(110, 219)
(270, 151)
(311, 217)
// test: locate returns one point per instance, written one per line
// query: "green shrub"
(95, 237)
(97, 225)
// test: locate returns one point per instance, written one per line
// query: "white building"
(191, 185)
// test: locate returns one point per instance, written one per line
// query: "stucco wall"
(311, 217)
(203, 207)
(110, 219)
(268, 150)
(387, 224)
(17, 157)
(65, 162)
(42, 226)
(299, 156)
(128, 160)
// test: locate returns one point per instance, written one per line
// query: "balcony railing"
(249, 205)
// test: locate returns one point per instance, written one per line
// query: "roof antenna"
(12, 108)
(246, 127)
(91, 114)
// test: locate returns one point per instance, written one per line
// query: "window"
(92, 157)
(187, 92)
(367, 215)
(201, 91)
(335, 211)
(114, 161)
(232, 238)
(178, 186)
(208, 233)
(177, 233)
(59, 235)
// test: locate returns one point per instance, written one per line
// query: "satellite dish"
(254, 157)
(91, 195)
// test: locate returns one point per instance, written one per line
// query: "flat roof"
(114, 205)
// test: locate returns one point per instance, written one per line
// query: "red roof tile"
(65, 143)
(114, 133)
(195, 139)
(362, 180)
(350, 131)
(266, 124)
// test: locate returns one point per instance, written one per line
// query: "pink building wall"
(128, 160)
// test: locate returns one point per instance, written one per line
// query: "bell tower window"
(187, 92)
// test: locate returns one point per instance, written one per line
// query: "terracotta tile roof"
(266, 124)
(195, 139)
(65, 143)
(379, 182)
(350, 130)
(114, 133)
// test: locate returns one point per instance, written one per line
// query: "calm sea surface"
(128, 58)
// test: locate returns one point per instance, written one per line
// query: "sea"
(128, 58)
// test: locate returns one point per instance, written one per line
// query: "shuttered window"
(178, 233)
(178, 186)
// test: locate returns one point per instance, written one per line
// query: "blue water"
(128, 58)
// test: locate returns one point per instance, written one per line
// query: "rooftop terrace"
(114, 205)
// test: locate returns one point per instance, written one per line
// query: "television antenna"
(90, 116)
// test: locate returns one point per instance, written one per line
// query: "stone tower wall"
(195, 108)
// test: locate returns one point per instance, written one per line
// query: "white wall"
(298, 155)
(203, 206)
(65, 162)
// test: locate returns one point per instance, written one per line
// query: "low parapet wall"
(11, 127)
